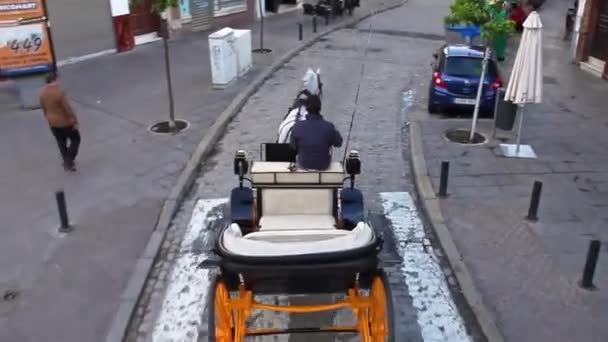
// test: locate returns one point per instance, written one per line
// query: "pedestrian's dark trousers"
(68, 140)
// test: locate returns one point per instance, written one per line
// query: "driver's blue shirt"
(313, 139)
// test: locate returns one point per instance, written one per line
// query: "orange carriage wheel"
(381, 310)
(221, 323)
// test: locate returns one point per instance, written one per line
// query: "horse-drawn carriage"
(298, 232)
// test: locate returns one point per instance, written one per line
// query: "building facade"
(89, 27)
(590, 43)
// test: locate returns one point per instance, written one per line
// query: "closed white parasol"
(526, 83)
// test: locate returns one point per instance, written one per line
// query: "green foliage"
(467, 12)
(159, 6)
(489, 16)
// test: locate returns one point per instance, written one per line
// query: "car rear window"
(466, 66)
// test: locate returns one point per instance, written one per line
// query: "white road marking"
(186, 297)
(437, 313)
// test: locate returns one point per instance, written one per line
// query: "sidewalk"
(69, 286)
(527, 272)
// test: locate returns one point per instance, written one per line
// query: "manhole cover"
(462, 136)
(163, 127)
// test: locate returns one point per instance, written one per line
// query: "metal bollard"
(443, 180)
(314, 24)
(534, 201)
(589, 271)
(300, 31)
(63, 212)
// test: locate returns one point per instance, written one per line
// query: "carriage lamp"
(240, 163)
(353, 164)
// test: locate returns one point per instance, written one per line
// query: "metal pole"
(534, 201)
(479, 91)
(63, 212)
(443, 181)
(519, 129)
(314, 23)
(589, 270)
(498, 92)
(169, 86)
(300, 31)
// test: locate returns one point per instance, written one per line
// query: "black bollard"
(314, 24)
(63, 212)
(300, 31)
(533, 210)
(443, 179)
(589, 271)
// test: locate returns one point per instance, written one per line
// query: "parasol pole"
(519, 129)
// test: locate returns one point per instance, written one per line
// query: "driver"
(313, 138)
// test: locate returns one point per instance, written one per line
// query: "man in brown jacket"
(62, 120)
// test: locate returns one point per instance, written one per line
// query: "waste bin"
(505, 112)
(223, 58)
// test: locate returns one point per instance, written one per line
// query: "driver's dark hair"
(313, 104)
(51, 77)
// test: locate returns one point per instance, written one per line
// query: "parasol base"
(510, 151)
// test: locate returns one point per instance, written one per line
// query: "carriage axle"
(232, 313)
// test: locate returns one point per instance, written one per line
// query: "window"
(467, 66)
(225, 7)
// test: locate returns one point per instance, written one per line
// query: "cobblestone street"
(395, 69)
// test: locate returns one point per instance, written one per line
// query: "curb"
(135, 286)
(431, 207)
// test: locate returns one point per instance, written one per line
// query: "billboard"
(25, 44)
(11, 10)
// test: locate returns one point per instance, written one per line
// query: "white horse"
(297, 111)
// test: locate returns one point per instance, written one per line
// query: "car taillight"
(496, 84)
(437, 80)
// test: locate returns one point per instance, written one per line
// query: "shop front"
(203, 15)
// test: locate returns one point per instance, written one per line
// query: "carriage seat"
(269, 174)
(297, 209)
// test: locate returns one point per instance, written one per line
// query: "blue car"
(456, 72)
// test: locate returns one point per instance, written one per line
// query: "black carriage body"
(301, 274)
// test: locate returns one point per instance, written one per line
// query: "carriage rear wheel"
(220, 321)
(381, 310)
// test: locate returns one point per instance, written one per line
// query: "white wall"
(577, 27)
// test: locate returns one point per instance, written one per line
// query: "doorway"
(143, 20)
(599, 45)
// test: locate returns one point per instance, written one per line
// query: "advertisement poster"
(11, 10)
(25, 49)
(25, 46)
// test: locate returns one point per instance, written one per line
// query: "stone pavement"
(527, 272)
(396, 67)
(69, 286)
